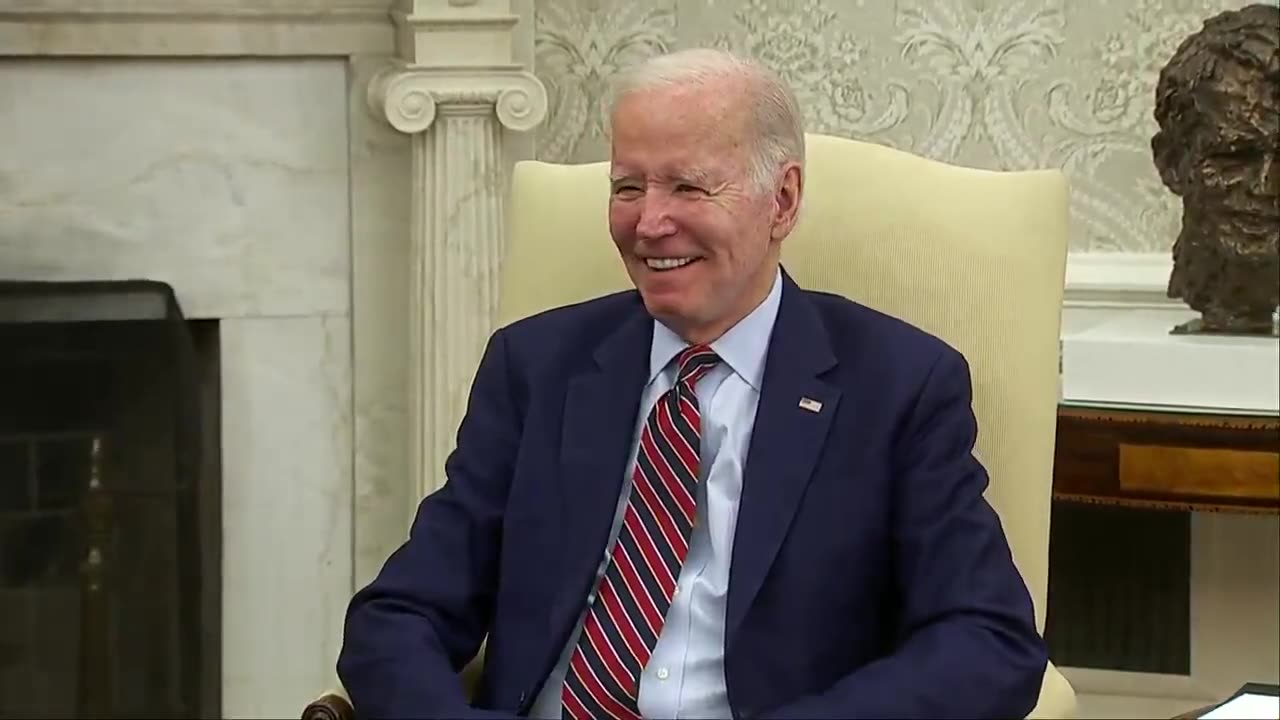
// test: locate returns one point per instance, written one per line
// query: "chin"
(659, 306)
(665, 308)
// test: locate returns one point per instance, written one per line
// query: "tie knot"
(694, 362)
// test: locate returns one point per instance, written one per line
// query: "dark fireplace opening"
(110, 523)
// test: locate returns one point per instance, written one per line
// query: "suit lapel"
(599, 420)
(794, 413)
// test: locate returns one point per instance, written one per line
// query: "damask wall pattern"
(999, 84)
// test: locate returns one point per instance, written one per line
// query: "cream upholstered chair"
(974, 257)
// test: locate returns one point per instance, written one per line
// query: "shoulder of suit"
(601, 313)
(851, 321)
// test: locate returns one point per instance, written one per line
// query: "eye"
(686, 189)
(626, 190)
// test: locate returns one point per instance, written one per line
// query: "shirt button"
(663, 673)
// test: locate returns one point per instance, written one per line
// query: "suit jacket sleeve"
(968, 646)
(410, 632)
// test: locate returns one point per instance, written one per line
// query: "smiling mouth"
(665, 264)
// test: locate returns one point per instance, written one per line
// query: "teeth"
(666, 263)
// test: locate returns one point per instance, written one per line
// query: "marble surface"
(287, 524)
(195, 27)
(227, 179)
(1132, 359)
(269, 196)
(380, 171)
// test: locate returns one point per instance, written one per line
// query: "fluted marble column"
(456, 118)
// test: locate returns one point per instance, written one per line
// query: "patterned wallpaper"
(1002, 84)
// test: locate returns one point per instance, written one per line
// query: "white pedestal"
(1133, 360)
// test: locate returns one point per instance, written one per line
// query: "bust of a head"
(1218, 108)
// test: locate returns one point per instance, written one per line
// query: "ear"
(786, 201)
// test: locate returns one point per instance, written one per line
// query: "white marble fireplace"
(230, 149)
(228, 180)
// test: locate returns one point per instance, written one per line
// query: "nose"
(655, 217)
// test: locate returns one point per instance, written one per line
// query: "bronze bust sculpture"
(1218, 108)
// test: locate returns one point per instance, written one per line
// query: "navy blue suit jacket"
(869, 577)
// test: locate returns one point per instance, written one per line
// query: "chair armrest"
(335, 705)
(332, 705)
(1193, 714)
(1057, 697)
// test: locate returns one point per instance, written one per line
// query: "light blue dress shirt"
(685, 674)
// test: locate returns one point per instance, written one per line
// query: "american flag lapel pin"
(810, 404)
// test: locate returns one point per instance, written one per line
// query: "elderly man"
(718, 495)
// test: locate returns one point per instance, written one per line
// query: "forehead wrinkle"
(694, 174)
(706, 114)
(691, 173)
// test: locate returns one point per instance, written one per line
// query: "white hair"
(774, 112)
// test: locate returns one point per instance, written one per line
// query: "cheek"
(622, 223)
(743, 244)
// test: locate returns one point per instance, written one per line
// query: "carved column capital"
(456, 85)
(408, 97)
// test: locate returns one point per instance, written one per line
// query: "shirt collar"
(742, 347)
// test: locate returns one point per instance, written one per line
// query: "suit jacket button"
(523, 696)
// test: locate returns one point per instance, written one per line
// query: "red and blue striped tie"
(631, 603)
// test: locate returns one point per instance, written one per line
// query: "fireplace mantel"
(141, 28)
(229, 149)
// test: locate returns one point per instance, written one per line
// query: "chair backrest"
(975, 257)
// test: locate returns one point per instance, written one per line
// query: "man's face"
(699, 241)
(1234, 180)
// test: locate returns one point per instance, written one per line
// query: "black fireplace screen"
(109, 522)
